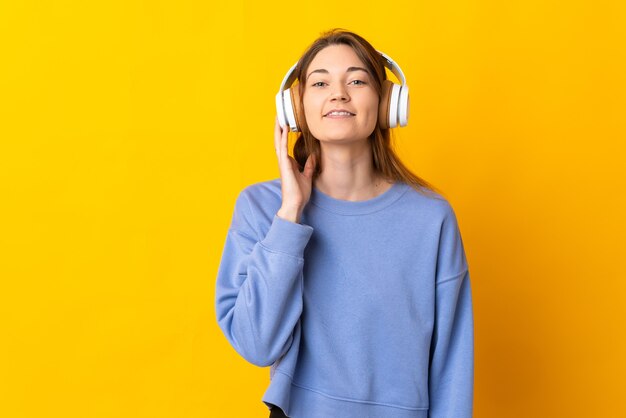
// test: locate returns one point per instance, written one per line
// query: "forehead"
(335, 58)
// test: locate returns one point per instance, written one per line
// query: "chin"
(339, 134)
(339, 138)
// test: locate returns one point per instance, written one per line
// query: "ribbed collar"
(361, 207)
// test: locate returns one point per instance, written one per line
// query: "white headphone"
(392, 111)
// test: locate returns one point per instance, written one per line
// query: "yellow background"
(127, 129)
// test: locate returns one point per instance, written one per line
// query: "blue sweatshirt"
(363, 309)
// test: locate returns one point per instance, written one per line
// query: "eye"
(358, 81)
(316, 84)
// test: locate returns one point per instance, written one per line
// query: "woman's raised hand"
(295, 185)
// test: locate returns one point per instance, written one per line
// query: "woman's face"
(337, 79)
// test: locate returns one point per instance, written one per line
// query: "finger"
(286, 166)
(277, 134)
(309, 166)
(284, 143)
(294, 165)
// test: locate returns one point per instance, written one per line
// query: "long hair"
(386, 162)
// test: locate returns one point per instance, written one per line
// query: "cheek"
(372, 108)
(310, 105)
(310, 112)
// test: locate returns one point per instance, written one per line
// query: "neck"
(348, 173)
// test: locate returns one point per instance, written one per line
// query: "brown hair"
(385, 160)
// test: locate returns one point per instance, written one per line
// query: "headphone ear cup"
(297, 110)
(403, 106)
(384, 104)
(394, 102)
(280, 109)
(289, 111)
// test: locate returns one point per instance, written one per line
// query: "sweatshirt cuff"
(287, 237)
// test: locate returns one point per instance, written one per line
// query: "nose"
(339, 93)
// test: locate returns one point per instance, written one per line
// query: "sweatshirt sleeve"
(259, 287)
(451, 374)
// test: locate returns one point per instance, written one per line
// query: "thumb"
(309, 165)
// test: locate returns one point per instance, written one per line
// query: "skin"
(345, 150)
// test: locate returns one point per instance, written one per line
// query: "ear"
(383, 105)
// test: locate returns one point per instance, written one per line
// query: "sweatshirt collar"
(360, 207)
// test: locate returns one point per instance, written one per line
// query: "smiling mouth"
(339, 115)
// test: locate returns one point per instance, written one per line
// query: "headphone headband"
(395, 68)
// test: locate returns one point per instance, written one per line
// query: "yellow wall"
(127, 129)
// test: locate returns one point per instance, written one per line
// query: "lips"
(340, 110)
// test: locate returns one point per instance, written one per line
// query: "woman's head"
(336, 51)
(338, 80)
(318, 92)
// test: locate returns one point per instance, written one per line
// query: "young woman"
(347, 275)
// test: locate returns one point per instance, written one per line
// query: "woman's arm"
(259, 286)
(451, 376)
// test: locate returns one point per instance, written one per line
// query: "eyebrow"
(322, 70)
